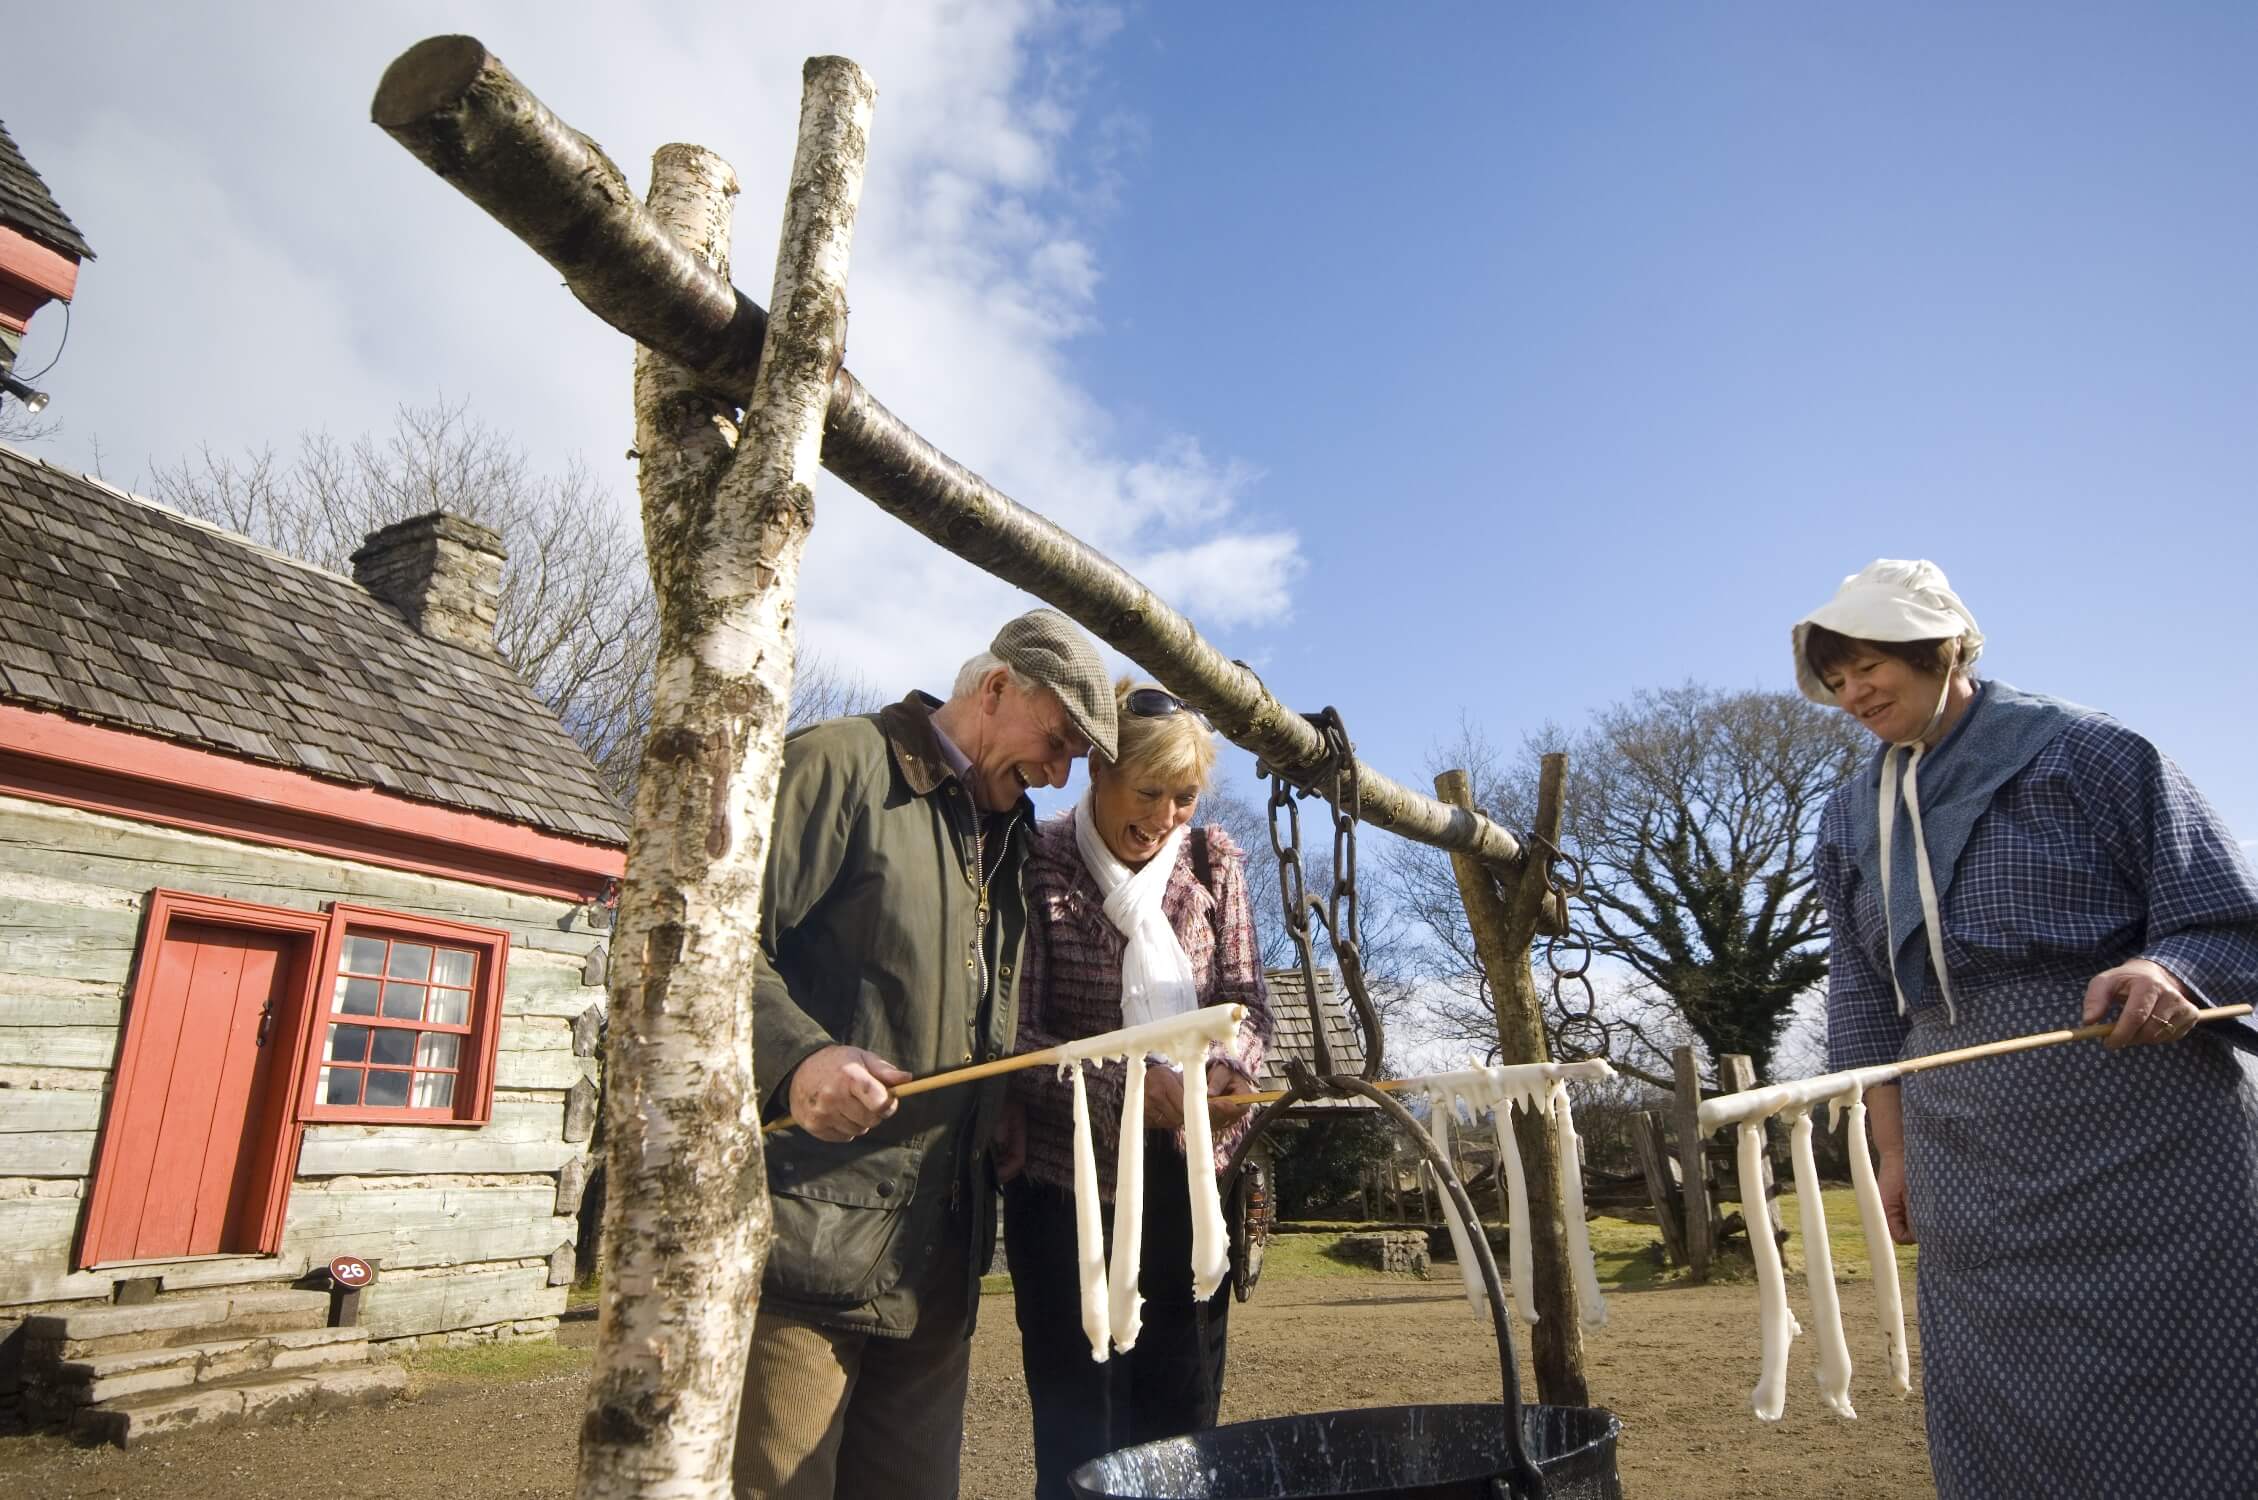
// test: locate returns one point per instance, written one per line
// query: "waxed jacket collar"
(916, 745)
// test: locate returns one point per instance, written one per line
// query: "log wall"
(466, 1224)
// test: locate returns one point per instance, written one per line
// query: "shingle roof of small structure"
(1290, 1034)
(120, 612)
(27, 206)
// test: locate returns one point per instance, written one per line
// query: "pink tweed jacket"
(1070, 986)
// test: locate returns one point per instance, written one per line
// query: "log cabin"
(303, 907)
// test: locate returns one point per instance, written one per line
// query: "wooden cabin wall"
(473, 1227)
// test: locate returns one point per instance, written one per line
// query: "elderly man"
(891, 925)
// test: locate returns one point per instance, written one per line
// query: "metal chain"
(1576, 1026)
(1337, 913)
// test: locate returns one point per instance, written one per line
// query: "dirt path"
(1676, 1365)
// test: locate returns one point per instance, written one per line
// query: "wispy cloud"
(270, 263)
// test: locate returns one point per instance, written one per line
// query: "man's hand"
(2156, 1008)
(840, 1092)
(1164, 1098)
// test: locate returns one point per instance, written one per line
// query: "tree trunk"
(461, 113)
(688, 1214)
(1502, 930)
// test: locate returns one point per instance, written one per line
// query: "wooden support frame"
(459, 111)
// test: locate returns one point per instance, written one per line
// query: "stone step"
(111, 1329)
(105, 1377)
(135, 1419)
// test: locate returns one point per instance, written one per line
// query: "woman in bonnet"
(1133, 915)
(2087, 1215)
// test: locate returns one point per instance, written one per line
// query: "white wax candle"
(1752, 1104)
(1881, 1251)
(1440, 1108)
(1129, 1209)
(1211, 1241)
(1171, 1037)
(1592, 1305)
(1517, 1211)
(1089, 1228)
(1819, 1270)
(1776, 1325)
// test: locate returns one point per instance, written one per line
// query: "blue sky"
(1435, 358)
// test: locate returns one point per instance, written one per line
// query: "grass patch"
(584, 1293)
(478, 1364)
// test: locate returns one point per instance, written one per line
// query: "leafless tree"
(577, 620)
(1694, 812)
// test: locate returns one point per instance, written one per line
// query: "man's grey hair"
(975, 672)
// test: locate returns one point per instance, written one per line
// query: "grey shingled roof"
(27, 206)
(118, 611)
(1290, 1034)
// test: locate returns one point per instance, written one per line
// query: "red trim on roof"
(41, 267)
(53, 759)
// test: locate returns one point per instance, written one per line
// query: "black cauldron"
(1431, 1452)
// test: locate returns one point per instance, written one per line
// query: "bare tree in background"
(1695, 812)
(577, 620)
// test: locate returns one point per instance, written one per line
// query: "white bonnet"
(1889, 600)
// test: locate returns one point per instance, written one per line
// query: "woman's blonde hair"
(1172, 748)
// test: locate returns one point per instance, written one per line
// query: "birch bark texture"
(1503, 924)
(725, 528)
(459, 111)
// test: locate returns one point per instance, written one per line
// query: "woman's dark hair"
(1824, 650)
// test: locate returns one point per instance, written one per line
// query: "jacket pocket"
(838, 1211)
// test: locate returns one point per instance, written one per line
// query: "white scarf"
(1156, 976)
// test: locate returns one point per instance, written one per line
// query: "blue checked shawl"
(2062, 842)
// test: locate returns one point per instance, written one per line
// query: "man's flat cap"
(1052, 649)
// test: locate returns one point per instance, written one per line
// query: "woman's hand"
(1889, 1176)
(1011, 1139)
(1164, 1098)
(1222, 1078)
(2154, 1006)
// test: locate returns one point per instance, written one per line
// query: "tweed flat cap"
(1052, 649)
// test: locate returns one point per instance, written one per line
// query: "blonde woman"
(1133, 914)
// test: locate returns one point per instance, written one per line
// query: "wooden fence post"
(1693, 1168)
(1503, 920)
(1654, 1165)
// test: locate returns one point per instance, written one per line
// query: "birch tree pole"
(726, 522)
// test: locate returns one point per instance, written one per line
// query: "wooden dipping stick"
(1221, 1022)
(1728, 1109)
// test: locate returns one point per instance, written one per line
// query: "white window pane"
(409, 961)
(403, 1002)
(364, 955)
(357, 997)
(438, 1050)
(341, 1085)
(449, 1008)
(453, 966)
(346, 1044)
(435, 1090)
(386, 1090)
(394, 1047)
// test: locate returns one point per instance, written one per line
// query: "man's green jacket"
(874, 932)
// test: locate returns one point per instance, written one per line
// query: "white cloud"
(269, 262)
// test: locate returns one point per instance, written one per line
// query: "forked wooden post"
(1503, 920)
(688, 1217)
(1736, 1074)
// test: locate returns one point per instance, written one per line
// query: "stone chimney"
(441, 572)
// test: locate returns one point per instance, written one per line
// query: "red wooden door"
(183, 1173)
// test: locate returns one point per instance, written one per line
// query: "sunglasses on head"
(1155, 703)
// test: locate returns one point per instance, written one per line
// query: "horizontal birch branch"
(454, 106)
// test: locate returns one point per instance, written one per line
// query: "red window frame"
(480, 1035)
